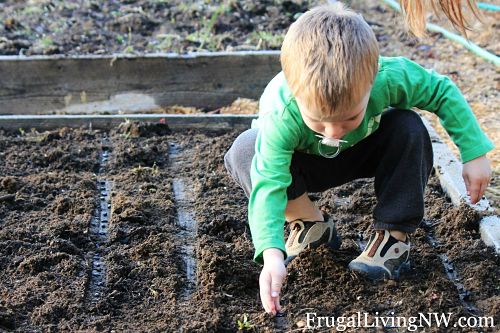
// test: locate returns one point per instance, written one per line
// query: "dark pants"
(398, 154)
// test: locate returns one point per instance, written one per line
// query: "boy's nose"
(334, 131)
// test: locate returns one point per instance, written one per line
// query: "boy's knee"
(226, 161)
(242, 150)
(409, 124)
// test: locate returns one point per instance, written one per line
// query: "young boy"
(339, 112)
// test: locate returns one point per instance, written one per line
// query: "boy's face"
(335, 127)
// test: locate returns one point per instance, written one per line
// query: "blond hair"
(330, 58)
(414, 12)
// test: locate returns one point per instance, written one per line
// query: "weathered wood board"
(48, 84)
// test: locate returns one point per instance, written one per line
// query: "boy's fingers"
(275, 292)
(275, 287)
(276, 300)
(265, 292)
(269, 293)
(484, 185)
(474, 193)
(277, 304)
(267, 301)
(467, 183)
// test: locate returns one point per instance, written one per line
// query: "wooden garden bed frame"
(59, 84)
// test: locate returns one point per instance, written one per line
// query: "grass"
(32, 11)
(265, 40)
(167, 43)
(205, 35)
(46, 42)
(129, 48)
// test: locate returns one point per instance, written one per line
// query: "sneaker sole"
(376, 273)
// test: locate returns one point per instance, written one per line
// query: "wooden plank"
(48, 122)
(48, 84)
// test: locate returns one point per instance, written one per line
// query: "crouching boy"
(337, 112)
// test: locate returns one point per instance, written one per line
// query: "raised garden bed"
(123, 227)
(52, 189)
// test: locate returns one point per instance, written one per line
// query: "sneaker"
(310, 234)
(384, 257)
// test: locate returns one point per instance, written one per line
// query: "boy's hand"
(477, 175)
(271, 279)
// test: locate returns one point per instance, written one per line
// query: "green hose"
(454, 37)
(488, 6)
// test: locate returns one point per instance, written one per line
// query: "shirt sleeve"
(410, 85)
(270, 176)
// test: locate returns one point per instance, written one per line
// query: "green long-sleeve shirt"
(400, 83)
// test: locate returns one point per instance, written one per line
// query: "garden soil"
(49, 194)
(80, 27)
(49, 190)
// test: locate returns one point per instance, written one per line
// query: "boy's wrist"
(272, 253)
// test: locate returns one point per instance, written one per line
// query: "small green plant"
(129, 46)
(31, 11)
(129, 49)
(154, 169)
(204, 35)
(153, 292)
(187, 7)
(125, 128)
(46, 42)
(22, 131)
(266, 40)
(210, 25)
(140, 171)
(120, 39)
(167, 42)
(244, 323)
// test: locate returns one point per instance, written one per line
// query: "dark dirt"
(143, 26)
(48, 189)
(45, 247)
(80, 27)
